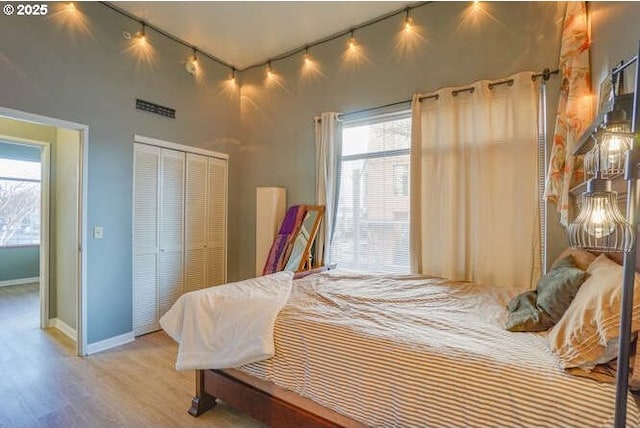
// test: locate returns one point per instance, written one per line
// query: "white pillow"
(587, 333)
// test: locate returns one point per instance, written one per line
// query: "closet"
(179, 227)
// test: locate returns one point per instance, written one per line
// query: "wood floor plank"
(45, 385)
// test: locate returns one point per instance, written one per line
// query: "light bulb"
(600, 225)
(307, 58)
(232, 79)
(270, 74)
(71, 7)
(408, 27)
(598, 222)
(352, 43)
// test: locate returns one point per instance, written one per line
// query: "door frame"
(83, 178)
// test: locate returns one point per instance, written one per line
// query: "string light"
(354, 50)
(352, 42)
(192, 65)
(408, 22)
(270, 74)
(307, 58)
(142, 35)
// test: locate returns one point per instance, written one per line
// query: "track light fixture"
(192, 65)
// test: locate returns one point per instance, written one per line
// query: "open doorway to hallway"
(41, 252)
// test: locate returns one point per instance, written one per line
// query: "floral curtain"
(575, 110)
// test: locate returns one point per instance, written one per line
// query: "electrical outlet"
(98, 232)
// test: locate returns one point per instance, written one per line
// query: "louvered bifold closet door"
(171, 231)
(217, 222)
(146, 161)
(196, 222)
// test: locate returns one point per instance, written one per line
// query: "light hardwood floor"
(42, 382)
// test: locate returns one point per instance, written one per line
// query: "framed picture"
(605, 101)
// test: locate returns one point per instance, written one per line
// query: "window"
(372, 221)
(19, 202)
(401, 179)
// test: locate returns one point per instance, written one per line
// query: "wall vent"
(155, 108)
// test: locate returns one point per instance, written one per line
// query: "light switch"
(98, 232)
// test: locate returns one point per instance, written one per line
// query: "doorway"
(62, 278)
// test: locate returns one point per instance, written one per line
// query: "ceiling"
(244, 33)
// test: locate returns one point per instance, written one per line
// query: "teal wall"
(19, 263)
(92, 77)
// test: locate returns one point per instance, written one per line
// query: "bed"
(382, 350)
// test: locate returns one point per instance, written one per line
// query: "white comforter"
(228, 325)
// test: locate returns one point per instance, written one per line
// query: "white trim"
(64, 328)
(112, 342)
(81, 294)
(19, 281)
(180, 147)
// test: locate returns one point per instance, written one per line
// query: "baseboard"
(20, 281)
(112, 342)
(64, 328)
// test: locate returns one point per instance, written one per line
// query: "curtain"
(328, 152)
(575, 110)
(474, 196)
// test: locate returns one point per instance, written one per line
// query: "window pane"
(10, 168)
(391, 135)
(19, 213)
(372, 222)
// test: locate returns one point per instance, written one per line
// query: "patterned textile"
(292, 220)
(574, 109)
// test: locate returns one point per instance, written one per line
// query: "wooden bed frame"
(262, 400)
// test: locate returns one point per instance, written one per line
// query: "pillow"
(524, 315)
(581, 258)
(559, 286)
(591, 323)
(539, 310)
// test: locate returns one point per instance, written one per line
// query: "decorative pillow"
(581, 258)
(591, 323)
(539, 310)
(559, 286)
(524, 315)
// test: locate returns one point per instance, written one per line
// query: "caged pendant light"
(600, 225)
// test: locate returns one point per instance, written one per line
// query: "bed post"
(202, 401)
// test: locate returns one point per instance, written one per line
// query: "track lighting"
(408, 22)
(192, 65)
(270, 74)
(307, 58)
(141, 37)
(352, 42)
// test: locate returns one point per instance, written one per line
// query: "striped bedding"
(401, 351)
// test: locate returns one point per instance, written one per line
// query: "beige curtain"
(475, 212)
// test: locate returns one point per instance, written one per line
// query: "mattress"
(402, 351)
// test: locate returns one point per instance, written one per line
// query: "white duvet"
(229, 325)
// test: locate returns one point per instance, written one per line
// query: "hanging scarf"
(574, 109)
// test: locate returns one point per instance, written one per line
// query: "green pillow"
(559, 286)
(524, 314)
(539, 310)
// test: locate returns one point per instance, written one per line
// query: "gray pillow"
(539, 310)
(524, 314)
(559, 286)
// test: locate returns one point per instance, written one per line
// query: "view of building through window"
(372, 222)
(19, 203)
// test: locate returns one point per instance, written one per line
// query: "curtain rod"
(545, 74)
